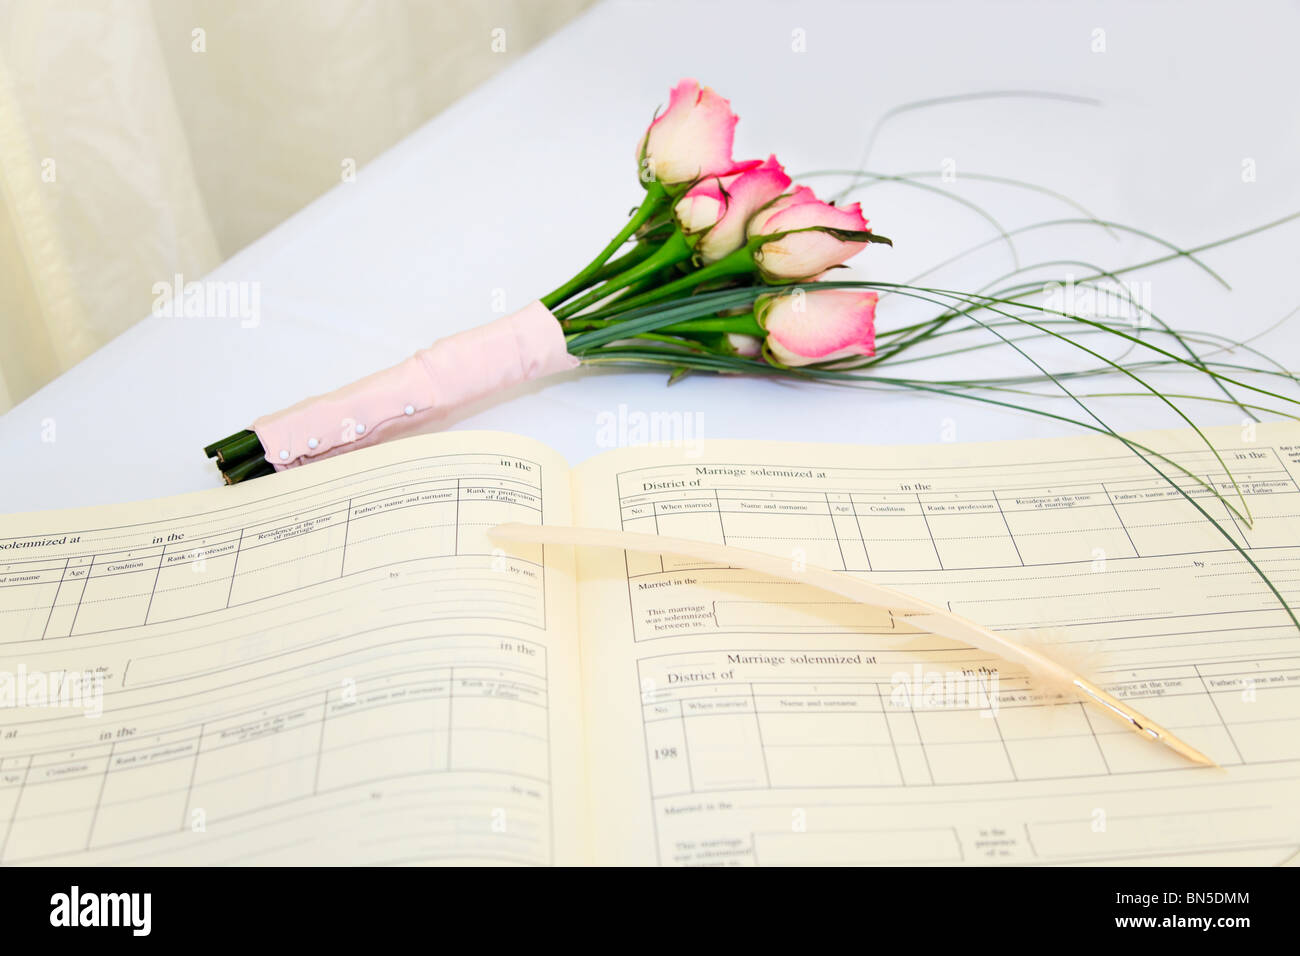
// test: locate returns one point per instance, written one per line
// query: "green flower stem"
(674, 250)
(654, 199)
(690, 345)
(229, 463)
(211, 450)
(239, 446)
(728, 324)
(740, 324)
(249, 468)
(641, 285)
(740, 262)
(642, 251)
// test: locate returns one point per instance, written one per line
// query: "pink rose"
(804, 255)
(689, 140)
(716, 209)
(819, 325)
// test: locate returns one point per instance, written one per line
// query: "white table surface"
(517, 185)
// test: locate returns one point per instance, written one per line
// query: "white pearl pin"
(408, 410)
(312, 443)
(361, 429)
(284, 454)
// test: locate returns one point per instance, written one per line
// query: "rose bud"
(826, 236)
(689, 140)
(716, 209)
(820, 325)
(746, 346)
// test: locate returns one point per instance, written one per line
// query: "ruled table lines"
(175, 575)
(64, 800)
(184, 681)
(991, 531)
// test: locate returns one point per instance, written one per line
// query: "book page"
(328, 665)
(736, 719)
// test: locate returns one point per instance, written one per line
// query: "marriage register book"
(336, 664)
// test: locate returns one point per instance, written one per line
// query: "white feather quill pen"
(918, 613)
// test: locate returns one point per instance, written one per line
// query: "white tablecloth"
(507, 193)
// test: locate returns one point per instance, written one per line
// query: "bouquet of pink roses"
(738, 231)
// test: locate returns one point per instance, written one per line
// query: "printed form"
(780, 725)
(327, 666)
(337, 665)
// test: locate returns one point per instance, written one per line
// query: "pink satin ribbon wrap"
(427, 387)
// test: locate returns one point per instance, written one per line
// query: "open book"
(336, 664)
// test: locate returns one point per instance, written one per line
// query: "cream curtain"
(144, 138)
